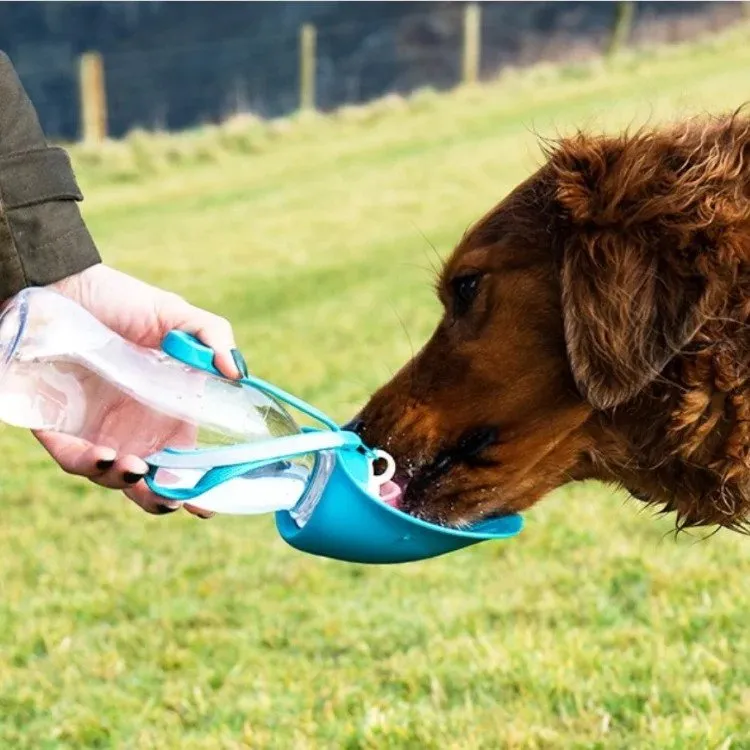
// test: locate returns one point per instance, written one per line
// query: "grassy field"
(593, 629)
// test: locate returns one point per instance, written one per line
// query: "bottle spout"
(379, 479)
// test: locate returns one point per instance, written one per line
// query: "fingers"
(140, 494)
(143, 497)
(102, 466)
(76, 456)
(199, 512)
(99, 464)
(123, 472)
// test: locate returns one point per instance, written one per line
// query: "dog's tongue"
(390, 493)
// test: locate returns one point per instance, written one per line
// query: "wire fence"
(177, 86)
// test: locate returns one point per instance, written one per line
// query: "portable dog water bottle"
(226, 446)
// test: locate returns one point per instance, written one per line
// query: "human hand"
(142, 314)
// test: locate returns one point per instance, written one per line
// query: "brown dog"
(595, 326)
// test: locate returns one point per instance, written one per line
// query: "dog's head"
(571, 313)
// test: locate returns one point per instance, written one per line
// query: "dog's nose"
(356, 426)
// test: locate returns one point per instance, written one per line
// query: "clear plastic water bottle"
(64, 371)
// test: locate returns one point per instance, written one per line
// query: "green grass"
(593, 629)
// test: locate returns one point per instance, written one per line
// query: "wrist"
(70, 286)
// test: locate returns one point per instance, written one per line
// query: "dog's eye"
(465, 289)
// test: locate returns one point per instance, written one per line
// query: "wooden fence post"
(307, 67)
(93, 97)
(624, 13)
(472, 42)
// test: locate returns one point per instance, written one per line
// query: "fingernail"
(131, 477)
(162, 510)
(239, 362)
(105, 464)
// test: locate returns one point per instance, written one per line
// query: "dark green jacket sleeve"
(42, 236)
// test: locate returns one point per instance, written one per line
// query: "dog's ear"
(625, 314)
(631, 299)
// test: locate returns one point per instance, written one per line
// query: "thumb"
(215, 332)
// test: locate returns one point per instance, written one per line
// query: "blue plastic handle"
(188, 350)
(263, 451)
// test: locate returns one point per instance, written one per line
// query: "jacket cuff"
(40, 221)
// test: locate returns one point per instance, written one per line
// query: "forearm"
(42, 235)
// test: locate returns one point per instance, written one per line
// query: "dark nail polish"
(239, 362)
(132, 478)
(163, 510)
(103, 465)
